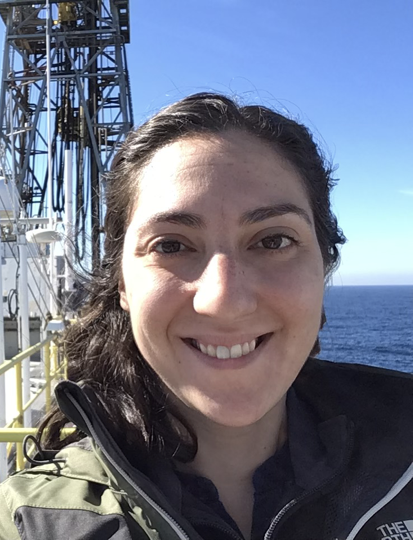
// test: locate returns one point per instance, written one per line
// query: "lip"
(230, 363)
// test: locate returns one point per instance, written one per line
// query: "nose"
(225, 290)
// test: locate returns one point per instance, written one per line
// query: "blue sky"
(343, 68)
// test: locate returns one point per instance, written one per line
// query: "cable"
(12, 295)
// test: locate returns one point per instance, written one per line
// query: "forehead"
(235, 170)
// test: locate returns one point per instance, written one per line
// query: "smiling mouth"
(223, 353)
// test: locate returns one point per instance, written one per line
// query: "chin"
(233, 413)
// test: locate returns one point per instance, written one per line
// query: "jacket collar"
(154, 512)
(319, 448)
(378, 402)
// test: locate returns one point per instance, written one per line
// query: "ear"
(124, 304)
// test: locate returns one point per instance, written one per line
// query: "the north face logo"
(400, 530)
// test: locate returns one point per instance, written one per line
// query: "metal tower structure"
(77, 50)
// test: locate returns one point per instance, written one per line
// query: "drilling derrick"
(88, 109)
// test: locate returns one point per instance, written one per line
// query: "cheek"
(295, 293)
(156, 307)
(295, 279)
(154, 300)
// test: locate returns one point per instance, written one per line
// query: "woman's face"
(223, 275)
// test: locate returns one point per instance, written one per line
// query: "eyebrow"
(195, 221)
(274, 210)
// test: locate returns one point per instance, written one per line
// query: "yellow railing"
(14, 432)
(17, 435)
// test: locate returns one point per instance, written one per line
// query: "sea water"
(369, 325)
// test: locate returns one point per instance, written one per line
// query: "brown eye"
(275, 242)
(169, 246)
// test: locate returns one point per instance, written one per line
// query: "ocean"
(369, 325)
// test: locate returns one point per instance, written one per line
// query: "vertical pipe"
(24, 324)
(15, 231)
(13, 189)
(53, 354)
(68, 183)
(95, 195)
(53, 280)
(52, 271)
(48, 376)
(49, 117)
(19, 423)
(3, 446)
(5, 71)
(19, 457)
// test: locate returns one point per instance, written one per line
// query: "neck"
(230, 455)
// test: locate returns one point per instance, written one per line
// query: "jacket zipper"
(394, 491)
(310, 494)
(275, 521)
(168, 518)
(292, 504)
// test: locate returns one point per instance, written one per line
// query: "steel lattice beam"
(91, 106)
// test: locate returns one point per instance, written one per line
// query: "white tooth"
(203, 348)
(252, 345)
(211, 351)
(222, 352)
(236, 351)
(245, 348)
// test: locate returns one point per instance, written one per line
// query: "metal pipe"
(24, 324)
(49, 116)
(53, 306)
(48, 376)
(18, 434)
(3, 420)
(8, 364)
(68, 183)
(29, 220)
(105, 32)
(19, 395)
(13, 165)
(61, 77)
(65, 367)
(51, 377)
(54, 356)
(18, 423)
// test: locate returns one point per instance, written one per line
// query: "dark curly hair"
(100, 347)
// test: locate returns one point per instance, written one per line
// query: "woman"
(199, 413)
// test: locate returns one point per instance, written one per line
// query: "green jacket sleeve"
(8, 530)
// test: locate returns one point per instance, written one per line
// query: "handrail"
(17, 435)
(49, 377)
(9, 364)
(14, 432)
